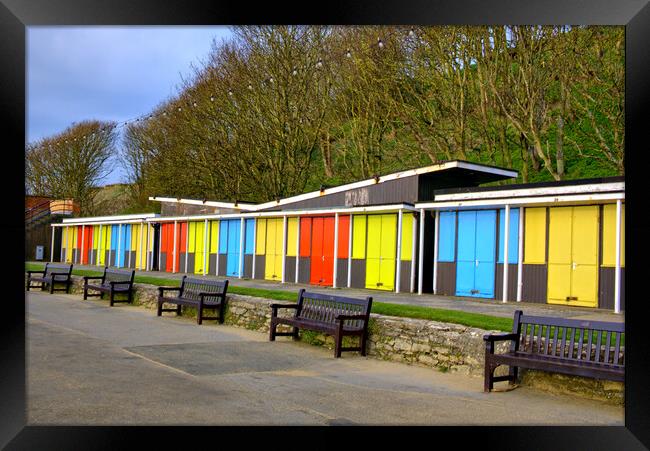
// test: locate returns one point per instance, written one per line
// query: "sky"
(107, 73)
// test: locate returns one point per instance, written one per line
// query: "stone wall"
(443, 346)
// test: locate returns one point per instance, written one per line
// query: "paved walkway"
(486, 306)
(90, 364)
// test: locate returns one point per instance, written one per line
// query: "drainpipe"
(520, 257)
(506, 242)
(336, 248)
(413, 250)
(81, 249)
(297, 249)
(435, 252)
(421, 252)
(242, 230)
(350, 230)
(284, 246)
(119, 244)
(254, 247)
(617, 274)
(398, 272)
(174, 252)
(205, 245)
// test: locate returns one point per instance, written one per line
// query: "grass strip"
(478, 320)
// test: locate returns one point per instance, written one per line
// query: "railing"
(48, 208)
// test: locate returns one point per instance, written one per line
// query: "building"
(431, 229)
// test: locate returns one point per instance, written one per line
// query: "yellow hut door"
(573, 256)
(381, 252)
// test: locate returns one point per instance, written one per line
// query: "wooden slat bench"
(52, 274)
(334, 315)
(113, 281)
(194, 292)
(568, 346)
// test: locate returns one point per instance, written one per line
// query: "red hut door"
(322, 251)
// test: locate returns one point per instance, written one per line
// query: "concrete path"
(485, 306)
(90, 364)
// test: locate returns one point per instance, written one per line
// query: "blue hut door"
(232, 261)
(476, 253)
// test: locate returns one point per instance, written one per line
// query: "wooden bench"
(568, 346)
(52, 274)
(334, 315)
(200, 293)
(113, 281)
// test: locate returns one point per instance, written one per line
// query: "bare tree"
(72, 163)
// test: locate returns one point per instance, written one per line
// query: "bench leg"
(67, 287)
(199, 314)
(222, 309)
(295, 335)
(85, 292)
(364, 340)
(339, 343)
(488, 383)
(130, 296)
(513, 373)
(160, 307)
(111, 298)
(28, 284)
(52, 288)
(179, 310)
(272, 330)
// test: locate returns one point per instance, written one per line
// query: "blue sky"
(107, 73)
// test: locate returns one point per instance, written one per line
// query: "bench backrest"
(571, 339)
(192, 286)
(118, 275)
(58, 268)
(325, 308)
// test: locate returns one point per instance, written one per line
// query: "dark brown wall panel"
(223, 262)
(358, 279)
(405, 276)
(534, 284)
(304, 269)
(446, 280)
(392, 192)
(342, 272)
(290, 269)
(213, 263)
(248, 266)
(259, 266)
(181, 263)
(512, 282)
(606, 288)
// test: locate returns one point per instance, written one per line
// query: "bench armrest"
(93, 277)
(60, 274)
(161, 290)
(35, 272)
(500, 337)
(119, 282)
(346, 317)
(276, 306)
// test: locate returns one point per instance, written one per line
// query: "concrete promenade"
(485, 306)
(90, 364)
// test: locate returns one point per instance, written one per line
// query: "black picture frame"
(16, 15)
